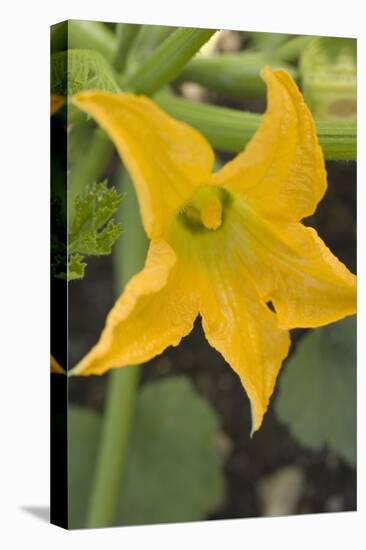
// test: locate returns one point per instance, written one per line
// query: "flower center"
(206, 209)
(211, 213)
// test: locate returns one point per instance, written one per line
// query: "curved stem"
(229, 130)
(234, 75)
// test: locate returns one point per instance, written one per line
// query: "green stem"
(126, 35)
(234, 75)
(90, 169)
(290, 50)
(149, 37)
(129, 254)
(117, 417)
(93, 36)
(167, 60)
(230, 130)
(267, 41)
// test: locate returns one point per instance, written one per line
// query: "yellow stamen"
(211, 213)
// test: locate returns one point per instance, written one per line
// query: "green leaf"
(317, 390)
(173, 470)
(75, 267)
(73, 71)
(90, 234)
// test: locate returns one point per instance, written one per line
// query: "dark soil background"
(328, 483)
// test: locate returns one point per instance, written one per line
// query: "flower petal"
(56, 367)
(281, 171)
(293, 268)
(155, 311)
(240, 326)
(166, 158)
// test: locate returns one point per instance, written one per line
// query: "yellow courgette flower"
(225, 244)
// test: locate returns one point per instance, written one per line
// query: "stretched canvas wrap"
(203, 346)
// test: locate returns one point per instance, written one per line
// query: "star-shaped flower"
(224, 245)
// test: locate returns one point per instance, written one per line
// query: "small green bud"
(328, 76)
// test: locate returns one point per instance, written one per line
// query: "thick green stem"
(167, 60)
(149, 37)
(234, 75)
(126, 34)
(130, 250)
(230, 130)
(338, 139)
(113, 446)
(93, 36)
(129, 254)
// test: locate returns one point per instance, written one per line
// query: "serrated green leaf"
(92, 210)
(92, 232)
(317, 390)
(173, 470)
(75, 267)
(73, 71)
(99, 244)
